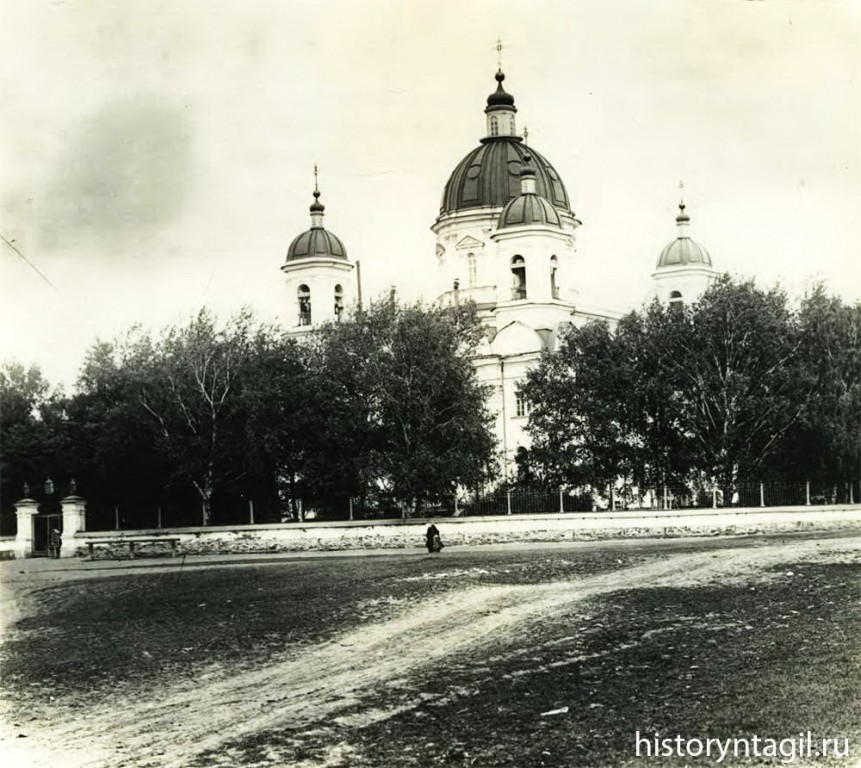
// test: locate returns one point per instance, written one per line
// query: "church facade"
(505, 240)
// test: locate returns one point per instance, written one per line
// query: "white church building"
(505, 240)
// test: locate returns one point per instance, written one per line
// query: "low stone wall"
(7, 547)
(409, 534)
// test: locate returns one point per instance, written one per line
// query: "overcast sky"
(158, 156)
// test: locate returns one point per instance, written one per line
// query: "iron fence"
(498, 501)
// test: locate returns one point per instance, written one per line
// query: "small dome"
(490, 176)
(316, 243)
(684, 249)
(317, 206)
(500, 98)
(530, 208)
(527, 210)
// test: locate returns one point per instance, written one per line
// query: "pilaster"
(25, 511)
(74, 521)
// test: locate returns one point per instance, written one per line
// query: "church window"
(521, 407)
(473, 271)
(494, 126)
(518, 272)
(339, 302)
(675, 297)
(304, 296)
(554, 288)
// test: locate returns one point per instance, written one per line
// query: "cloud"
(124, 172)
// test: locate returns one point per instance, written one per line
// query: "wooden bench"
(173, 541)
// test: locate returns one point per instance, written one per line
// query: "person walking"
(432, 539)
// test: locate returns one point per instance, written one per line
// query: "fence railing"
(512, 501)
(750, 494)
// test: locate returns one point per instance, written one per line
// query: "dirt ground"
(191, 717)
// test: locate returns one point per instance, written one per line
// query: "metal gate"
(43, 524)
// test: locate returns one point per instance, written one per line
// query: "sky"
(156, 157)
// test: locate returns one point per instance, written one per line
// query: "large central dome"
(490, 176)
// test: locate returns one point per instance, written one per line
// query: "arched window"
(518, 271)
(494, 126)
(675, 297)
(554, 289)
(472, 269)
(304, 296)
(339, 302)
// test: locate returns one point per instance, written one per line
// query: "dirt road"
(189, 718)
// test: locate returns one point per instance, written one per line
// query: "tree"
(189, 383)
(113, 451)
(650, 341)
(744, 383)
(707, 392)
(286, 425)
(579, 416)
(408, 412)
(32, 435)
(826, 443)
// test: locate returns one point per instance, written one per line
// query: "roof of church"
(500, 97)
(490, 176)
(316, 242)
(528, 208)
(684, 249)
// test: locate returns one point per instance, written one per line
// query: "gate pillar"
(74, 521)
(25, 511)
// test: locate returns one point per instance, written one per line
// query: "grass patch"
(90, 638)
(722, 662)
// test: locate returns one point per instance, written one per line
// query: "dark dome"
(500, 97)
(684, 250)
(529, 209)
(316, 243)
(490, 176)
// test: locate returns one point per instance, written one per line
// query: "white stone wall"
(409, 534)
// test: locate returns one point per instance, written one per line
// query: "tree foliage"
(737, 386)
(412, 419)
(32, 437)
(206, 417)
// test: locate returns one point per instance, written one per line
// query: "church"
(505, 240)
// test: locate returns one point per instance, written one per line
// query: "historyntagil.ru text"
(801, 747)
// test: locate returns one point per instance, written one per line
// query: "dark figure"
(433, 541)
(55, 541)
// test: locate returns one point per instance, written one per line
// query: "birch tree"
(190, 388)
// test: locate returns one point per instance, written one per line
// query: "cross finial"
(682, 189)
(315, 178)
(525, 134)
(499, 53)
